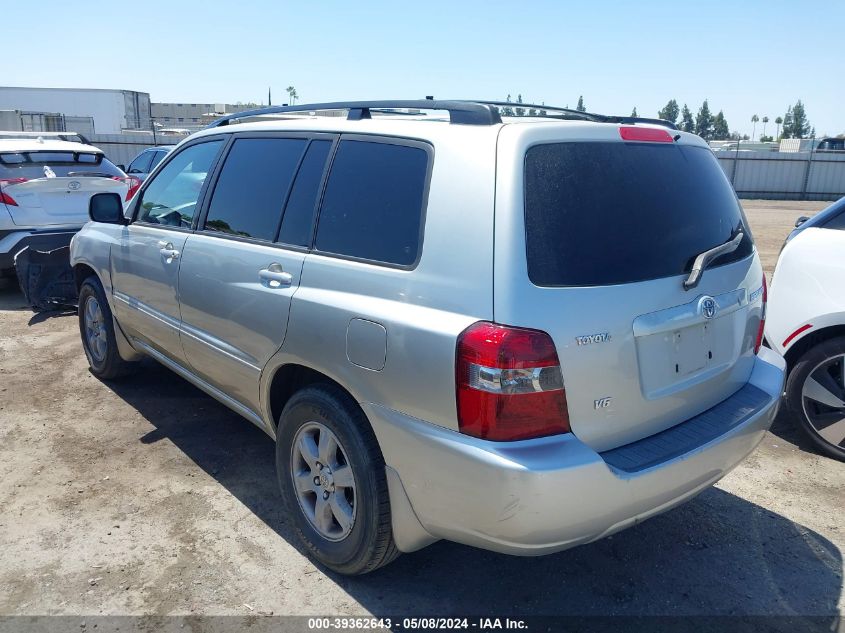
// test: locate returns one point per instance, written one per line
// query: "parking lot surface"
(148, 497)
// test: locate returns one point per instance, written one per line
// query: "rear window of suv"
(601, 213)
(32, 165)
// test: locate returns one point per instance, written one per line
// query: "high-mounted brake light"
(133, 182)
(647, 134)
(509, 384)
(5, 197)
(762, 325)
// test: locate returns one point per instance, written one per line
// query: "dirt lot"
(147, 497)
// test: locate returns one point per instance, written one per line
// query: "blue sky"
(746, 57)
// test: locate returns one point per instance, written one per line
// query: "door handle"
(275, 277)
(167, 251)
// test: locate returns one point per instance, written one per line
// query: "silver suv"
(520, 334)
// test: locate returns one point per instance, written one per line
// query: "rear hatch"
(595, 236)
(45, 188)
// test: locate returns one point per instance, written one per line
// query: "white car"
(806, 324)
(45, 185)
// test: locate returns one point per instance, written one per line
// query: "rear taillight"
(133, 182)
(509, 383)
(762, 326)
(5, 197)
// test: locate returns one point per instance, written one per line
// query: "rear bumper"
(540, 496)
(12, 242)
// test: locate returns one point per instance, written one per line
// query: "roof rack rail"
(463, 112)
(568, 113)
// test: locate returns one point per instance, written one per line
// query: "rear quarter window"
(602, 213)
(373, 204)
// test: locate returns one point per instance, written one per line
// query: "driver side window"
(171, 197)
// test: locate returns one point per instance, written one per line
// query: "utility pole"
(153, 125)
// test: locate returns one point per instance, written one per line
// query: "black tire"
(808, 363)
(369, 544)
(108, 365)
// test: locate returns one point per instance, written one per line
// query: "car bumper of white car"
(540, 496)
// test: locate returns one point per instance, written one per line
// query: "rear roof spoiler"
(71, 137)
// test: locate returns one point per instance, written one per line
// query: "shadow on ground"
(718, 554)
(11, 297)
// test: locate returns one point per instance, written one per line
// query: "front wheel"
(97, 330)
(815, 395)
(331, 474)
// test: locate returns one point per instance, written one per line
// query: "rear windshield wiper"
(703, 260)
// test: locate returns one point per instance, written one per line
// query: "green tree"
(800, 124)
(634, 112)
(754, 119)
(507, 110)
(704, 122)
(687, 123)
(787, 123)
(766, 139)
(778, 122)
(580, 107)
(765, 120)
(519, 111)
(721, 131)
(670, 111)
(292, 94)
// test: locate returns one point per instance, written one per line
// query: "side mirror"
(106, 207)
(801, 220)
(121, 167)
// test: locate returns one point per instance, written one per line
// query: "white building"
(111, 110)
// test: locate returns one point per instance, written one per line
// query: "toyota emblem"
(707, 307)
(73, 185)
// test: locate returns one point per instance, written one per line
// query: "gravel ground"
(148, 497)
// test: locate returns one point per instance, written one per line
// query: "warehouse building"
(110, 111)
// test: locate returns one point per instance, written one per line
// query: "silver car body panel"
(388, 334)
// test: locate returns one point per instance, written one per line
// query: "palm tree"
(765, 120)
(778, 121)
(292, 94)
(754, 119)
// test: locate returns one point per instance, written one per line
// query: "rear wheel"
(97, 330)
(331, 474)
(815, 395)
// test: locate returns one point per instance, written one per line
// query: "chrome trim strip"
(217, 345)
(687, 314)
(147, 310)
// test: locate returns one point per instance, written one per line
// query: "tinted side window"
(299, 214)
(373, 203)
(171, 197)
(157, 156)
(141, 164)
(252, 187)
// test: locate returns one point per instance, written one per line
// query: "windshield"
(600, 213)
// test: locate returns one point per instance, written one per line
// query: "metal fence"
(122, 148)
(785, 175)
